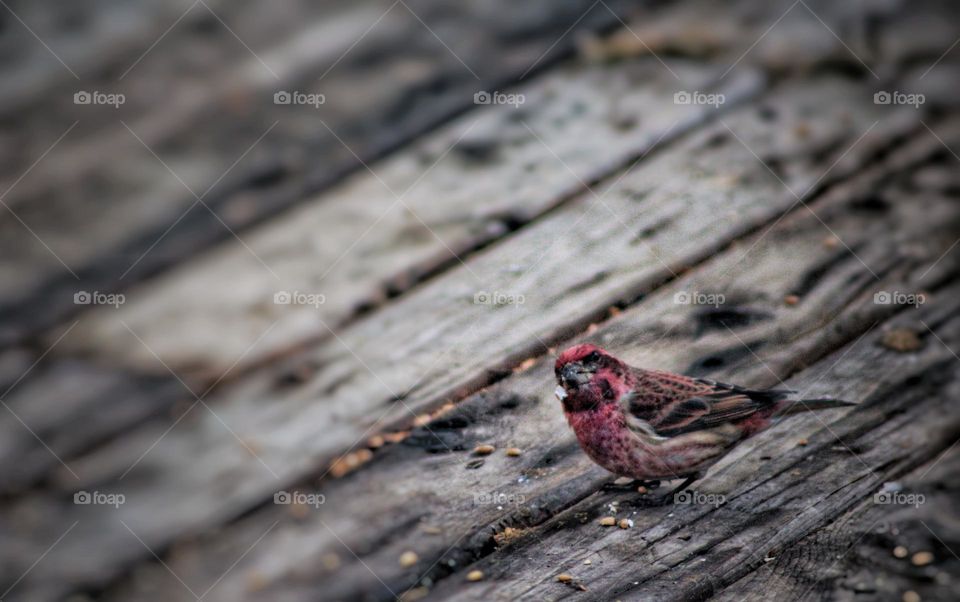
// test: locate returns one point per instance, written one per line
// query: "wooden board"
(455, 520)
(203, 471)
(374, 400)
(186, 133)
(495, 169)
(207, 329)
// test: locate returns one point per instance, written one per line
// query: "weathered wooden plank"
(85, 36)
(203, 325)
(123, 206)
(201, 474)
(455, 515)
(857, 554)
(495, 169)
(688, 551)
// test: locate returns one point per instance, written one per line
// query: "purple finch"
(647, 424)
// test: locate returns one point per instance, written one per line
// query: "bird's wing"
(667, 405)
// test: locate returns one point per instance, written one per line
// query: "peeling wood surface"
(595, 211)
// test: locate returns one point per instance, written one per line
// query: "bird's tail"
(796, 406)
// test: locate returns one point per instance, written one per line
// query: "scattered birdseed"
(587, 561)
(608, 521)
(431, 530)
(526, 364)
(791, 299)
(484, 450)
(625, 523)
(641, 489)
(831, 242)
(514, 452)
(507, 536)
(803, 442)
(408, 559)
(421, 420)
(911, 596)
(564, 578)
(900, 552)
(922, 558)
(375, 442)
(298, 510)
(345, 464)
(330, 561)
(902, 340)
(474, 575)
(417, 593)
(396, 437)
(256, 581)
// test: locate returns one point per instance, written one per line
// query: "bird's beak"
(573, 375)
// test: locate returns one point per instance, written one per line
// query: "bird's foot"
(670, 497)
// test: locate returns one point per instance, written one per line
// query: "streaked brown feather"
(672, 404)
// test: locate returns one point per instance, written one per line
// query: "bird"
(652, 425)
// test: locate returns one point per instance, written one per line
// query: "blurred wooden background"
(249, 346)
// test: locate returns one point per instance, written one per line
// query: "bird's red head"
(588, 376)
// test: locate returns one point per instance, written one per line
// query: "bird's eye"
(593, 357)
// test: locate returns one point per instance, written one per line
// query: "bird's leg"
(686, 483)
(667, 498)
